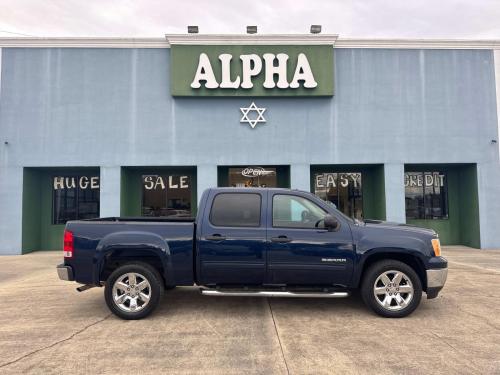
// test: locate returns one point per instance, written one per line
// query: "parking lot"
(47, 327)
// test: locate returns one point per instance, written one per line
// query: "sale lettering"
(163, 182)
(251, 66)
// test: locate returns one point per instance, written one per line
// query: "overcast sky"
(153, 18)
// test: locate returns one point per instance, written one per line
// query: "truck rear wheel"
(391, 288)
(133, 290)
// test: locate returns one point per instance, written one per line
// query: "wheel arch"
(412, 259)
(119, 248)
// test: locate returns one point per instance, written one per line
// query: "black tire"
(394, 310)
(150, 274)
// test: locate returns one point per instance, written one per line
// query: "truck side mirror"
(331, 223)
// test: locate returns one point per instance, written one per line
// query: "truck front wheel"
(391, 288)
(133, 290)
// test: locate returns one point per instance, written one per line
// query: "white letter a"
(205, 73)
(304, 73)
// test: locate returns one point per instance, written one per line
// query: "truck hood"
(398, 226)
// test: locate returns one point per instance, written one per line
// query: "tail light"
(68, 245)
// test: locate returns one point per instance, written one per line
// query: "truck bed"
(96, 240)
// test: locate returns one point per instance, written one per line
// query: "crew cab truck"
(254, 242)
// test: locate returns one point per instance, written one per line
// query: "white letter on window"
(330, 179)
(205, 73)
(304, 73)
(58, 183)
(94, 182)
(319, 180)
(247, 71)
(159, 181)
(70, 182)
(271, 70)
(84, 182)
(171, 183)
(148, 182)
(184, 184)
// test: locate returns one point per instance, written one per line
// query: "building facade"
(398, 130)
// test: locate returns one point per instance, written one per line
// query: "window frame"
(297, 196)
(210, 216)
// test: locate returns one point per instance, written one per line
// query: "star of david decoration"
(252, 120)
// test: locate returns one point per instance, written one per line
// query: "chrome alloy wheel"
(131, 292)
(393, 290)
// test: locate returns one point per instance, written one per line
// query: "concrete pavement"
(47, 327)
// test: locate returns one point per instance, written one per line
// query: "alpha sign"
(243, 70)
(252, 66)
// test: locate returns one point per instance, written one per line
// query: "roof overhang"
(248, 39)
(252, 39)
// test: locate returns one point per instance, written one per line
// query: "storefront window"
(343, 190)
(253, 177)
(426, 195)
(75, 198)
(166, 195)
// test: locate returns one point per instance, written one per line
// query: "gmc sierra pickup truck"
(254, 242)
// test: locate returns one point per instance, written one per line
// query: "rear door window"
(236, 210)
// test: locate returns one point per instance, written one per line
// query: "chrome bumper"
(436, 278)
(65, 272)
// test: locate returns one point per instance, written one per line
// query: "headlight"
(436, 245)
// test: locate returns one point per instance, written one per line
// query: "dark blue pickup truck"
(254, 242)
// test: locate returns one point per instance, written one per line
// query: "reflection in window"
(166, 195)
(290, 211)
(426, 195)
(343, 190)
(75, 198)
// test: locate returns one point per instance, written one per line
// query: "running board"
(265, 293)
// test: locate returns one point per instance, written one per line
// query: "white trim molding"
(418, 43)
(247, 39)
(252, 39)
(84, 42)
(496, 58)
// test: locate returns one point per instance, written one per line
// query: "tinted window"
(166, 195)
(236, 210)
(296, 212)
(74, 198)
(426, 195)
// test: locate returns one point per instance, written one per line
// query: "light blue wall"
(112, 107)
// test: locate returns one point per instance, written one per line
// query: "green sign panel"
(251, 70)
